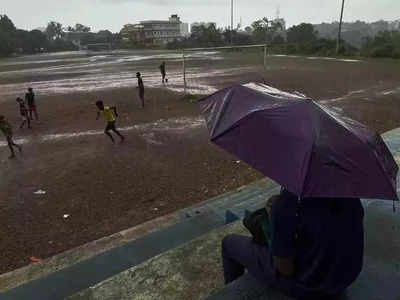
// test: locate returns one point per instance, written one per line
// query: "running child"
(24, 113)
(106, 112)
(5, 127)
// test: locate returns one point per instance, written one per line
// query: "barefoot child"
(106, 112)
(5, 127)
(24, 113)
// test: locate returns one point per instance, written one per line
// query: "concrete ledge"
(191, 271)
(66, 259)
(66, 282)
(247, 288)
(71, 257)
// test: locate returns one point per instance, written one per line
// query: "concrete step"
(193, 270)
(220, 204)
(380, 277)
(68, 273)
(190, 271)
(247, 288)
(70, 280)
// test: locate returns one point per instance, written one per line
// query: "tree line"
(298, 39)
(53, 38)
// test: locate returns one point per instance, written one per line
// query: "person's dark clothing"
(162, 68)
(163, 72)
(326, 239)
(30, 99)
(110, 126)
(22, 109)
(141, 86)
(141, 91)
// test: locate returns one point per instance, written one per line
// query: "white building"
(185, 29)
(157, 32)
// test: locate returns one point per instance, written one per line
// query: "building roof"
(158, 21)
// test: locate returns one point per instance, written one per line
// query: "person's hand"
(270, 202)
(116, 115)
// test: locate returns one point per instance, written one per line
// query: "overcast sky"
(113, 14)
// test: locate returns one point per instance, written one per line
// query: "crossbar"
(225, 47)
(265, 46)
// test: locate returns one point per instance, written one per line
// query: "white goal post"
(184, 51)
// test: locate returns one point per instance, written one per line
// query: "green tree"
(31, 41)
(78, 28)
(7, 36)
(384, 44)
(206, 36)
(239, 38)
(6, 24)
(302, 34)
(104, 36)
(265, 30)
(54, 31)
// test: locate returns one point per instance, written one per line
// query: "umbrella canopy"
(306, 147)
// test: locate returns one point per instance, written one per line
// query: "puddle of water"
(284, 55)
(333, 58)
(19, 141)
(150, 139)
(350, 60)
(318, 58)
(263, 88)
(102, 72)
(349, 95)
(390, 92)
(170, 125)
(196, 81)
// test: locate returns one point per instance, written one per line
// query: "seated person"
(315, 249)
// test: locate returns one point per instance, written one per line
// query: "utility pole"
(340, 30)
(231, 22)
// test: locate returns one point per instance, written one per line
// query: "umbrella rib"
(319, 106)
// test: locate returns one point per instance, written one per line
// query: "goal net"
(205, 70)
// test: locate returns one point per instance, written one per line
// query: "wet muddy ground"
(167, 162)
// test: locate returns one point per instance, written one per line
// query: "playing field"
(94, 188)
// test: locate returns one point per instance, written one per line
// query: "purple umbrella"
(306, 147)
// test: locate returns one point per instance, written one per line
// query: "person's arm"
(284, 223)
(114, 108)
(98, 115)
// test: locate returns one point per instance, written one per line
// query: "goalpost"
(187, 50)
